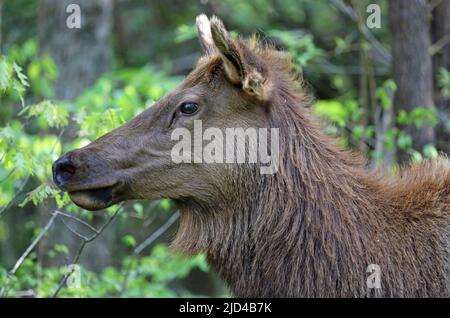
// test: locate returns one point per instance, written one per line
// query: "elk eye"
(188, 108)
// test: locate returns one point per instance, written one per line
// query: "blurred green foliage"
(30, 141)
(147, 276)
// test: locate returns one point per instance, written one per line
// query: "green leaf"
(444, 82)
(415, 155)
(5, 73)
(165, 204)
(61, 248)
(139, 208)
(358, 131)
(430, 151)
(38, 195)
(389, 138)
(22, 78)
(55, 115)
(404, 141)
(129, 240)
(185, 32)
(332, 111)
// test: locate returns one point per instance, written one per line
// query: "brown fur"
(311, 229)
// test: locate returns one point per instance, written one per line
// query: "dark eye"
(188, 108)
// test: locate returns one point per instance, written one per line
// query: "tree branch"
(84, 242)
(74, 231)
(385, 56)
(93, 229)
(26, 253)
(19, 190)
(439, 44)
(157, 233)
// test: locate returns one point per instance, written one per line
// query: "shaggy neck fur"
(313, 228)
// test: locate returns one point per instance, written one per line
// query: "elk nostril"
(63, 171)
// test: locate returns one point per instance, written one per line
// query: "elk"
(315, 228)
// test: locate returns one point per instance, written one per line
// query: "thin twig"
(439, 44)
(26, 294)
(78, 220)
(146, 243)
(348, 10)
(152, 217)
(157, 233)
(18, 192)
(26, 253)
(74, 231)
(84, 242)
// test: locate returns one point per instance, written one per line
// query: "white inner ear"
(204, 34)
(231, 71)
(225, 46)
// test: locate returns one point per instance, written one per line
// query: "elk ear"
(240, 64)
(204, 34)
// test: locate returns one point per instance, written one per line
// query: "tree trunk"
(411, 64)
(83, 54)
(441, 59)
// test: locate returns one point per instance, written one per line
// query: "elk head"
(231, 86)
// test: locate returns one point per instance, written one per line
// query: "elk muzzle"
(89, 181)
